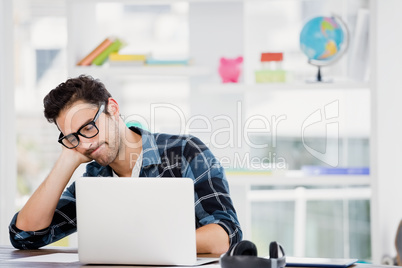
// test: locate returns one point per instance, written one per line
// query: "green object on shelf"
(135, 124)
(114, 47)
(270, 76)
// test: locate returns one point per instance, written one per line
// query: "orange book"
(87, 60)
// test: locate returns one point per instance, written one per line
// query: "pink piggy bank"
(230, 69)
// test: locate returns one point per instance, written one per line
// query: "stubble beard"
(111, 152)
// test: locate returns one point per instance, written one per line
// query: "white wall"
(8, 169)
(386, 143)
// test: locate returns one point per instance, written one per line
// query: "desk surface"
(8, 253)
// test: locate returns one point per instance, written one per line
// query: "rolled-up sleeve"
(212, 199)
(64, 223)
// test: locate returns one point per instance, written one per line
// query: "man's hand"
(212, 238)
(74, 156)
(38, 212)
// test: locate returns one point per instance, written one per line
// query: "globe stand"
(319, 78)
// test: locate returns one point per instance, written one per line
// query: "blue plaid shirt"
(163, 156)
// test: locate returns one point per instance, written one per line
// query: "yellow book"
(126, 57)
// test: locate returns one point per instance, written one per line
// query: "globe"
(324, 40)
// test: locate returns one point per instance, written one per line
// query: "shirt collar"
(149, 147)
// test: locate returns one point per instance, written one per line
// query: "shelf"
(153, 2)
(158, 2)
(242, 88)
(309, 194)
(295, 178)
(140, 70)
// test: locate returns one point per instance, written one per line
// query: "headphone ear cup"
(273, 250)
(244, 247)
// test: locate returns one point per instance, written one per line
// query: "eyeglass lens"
(88, 131)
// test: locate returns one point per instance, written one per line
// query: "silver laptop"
(141, 221)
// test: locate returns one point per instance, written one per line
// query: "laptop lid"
(146, 221)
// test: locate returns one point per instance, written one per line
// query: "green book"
(114, 47)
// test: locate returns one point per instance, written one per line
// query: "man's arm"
(38, 212)
(217, 223)
(212, 232)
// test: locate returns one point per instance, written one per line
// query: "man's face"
(104, 147)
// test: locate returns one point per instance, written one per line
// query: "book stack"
(110, 50)
(100, 54)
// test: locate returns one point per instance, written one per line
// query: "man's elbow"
(212, 239)
(220, 247)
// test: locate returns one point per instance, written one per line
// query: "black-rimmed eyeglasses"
(88, 131)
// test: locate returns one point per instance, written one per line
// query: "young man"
(91, 129)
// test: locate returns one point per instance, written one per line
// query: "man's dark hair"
(84, 88)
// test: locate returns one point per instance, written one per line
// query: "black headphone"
(244, 254)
